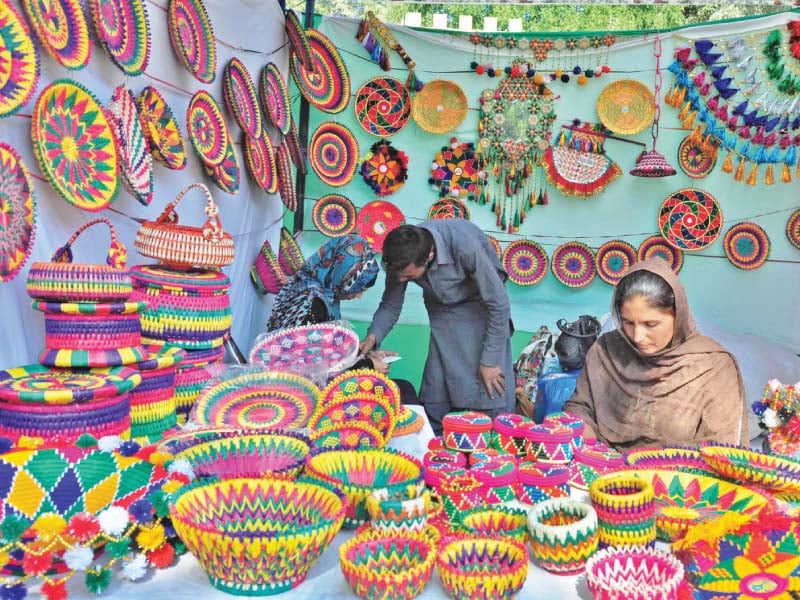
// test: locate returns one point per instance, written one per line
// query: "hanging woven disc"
(690, 219)
(208, 131)
(385, 168)
(240, 97)
(440, 107)
(225, 174)
(376, 219)
(333, 153)
(135, 162)
(298, 40)
(74, 145)
(746, 245)
(61, 27)
(22, 67)
(626, 106)
(695, 159)
(383, 106)
(657, 246)
(161, 130)
(193, 38)
(455, 172)
(793, 229)
(334, 215)
(283, 168)
(613, 259)
(573, 264)
(18, 213)
(448, 208)
(259, 158)
(124, 33)
(496, 245)
(327, 85)
(525, 261)
(274, 97)
(292, 141)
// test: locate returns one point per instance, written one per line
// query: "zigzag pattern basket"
(192, 375)
(563, 535)
(494, 521)
(153, 400)
(634, 574)
(483, 568)
(399, 512)
(467, 431)
(626, 510)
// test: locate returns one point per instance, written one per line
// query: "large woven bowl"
(483, 568)
(257, 537)
(358, 472)
(750, 467)
(635, 573)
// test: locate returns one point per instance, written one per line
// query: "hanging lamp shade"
(652, 164)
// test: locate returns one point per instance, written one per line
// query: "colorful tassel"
(769, 178)
(688, 123)
(739, 175)
(752, 179)
(684, 111)
(786, 175)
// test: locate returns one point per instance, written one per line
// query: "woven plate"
(376, 219)
(18, 210)
(292, 141)
(656, 246)
(207, 129)
(383, 106)
(573, 265)
(776, 473)
(448, 208)
(676, 458)
(385, 168)
(746, 245)
(23, 61)
(496, 245)
(283, 169)
(259, 158)
(525, 261)
(613, 259)
(161, 130)
(124, 33)
(274, 97)
(42, 385)
(320, 347)
(135, 162)
(240, 97)
(690, 219)
(193, 38)
(626, 106)
(361, 381)
(333, 153)
(793, 229)
(695, 160)
(61, 27)
(334, 215)
(440, 106)
(225, 175)
(290, 255)
(327, 85)
(74, 145)
(298, 40)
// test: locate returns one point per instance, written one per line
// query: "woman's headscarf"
(342, 266)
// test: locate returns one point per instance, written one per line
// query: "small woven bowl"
(257, 537)
(563, 535)
(357, 472)
(492, 521)
(482, 568)
(633, 574)
(399, 513)
(387, 567)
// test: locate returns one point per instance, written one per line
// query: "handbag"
(575, 340)
(184, 246)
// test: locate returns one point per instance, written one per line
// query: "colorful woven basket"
(590, 461)
(20, 211)
(163, 134)
(626, 510)
(62, 31)
(775, 473)
(670, 458)
(510, 433)
(327, 84)
(135, 162)
(633, 573)
(266, 272)
(382, 106)
(192, 375)
(375, 409)
(482, 568)
(563, 535)
(408, 422)
(37, 384)
(358, 472)
(351, 384)
(399, 513)
(193, 38)
(348, 434)
(62, 280)
(498, 478)
(537, 482)
(571, 422)
(439, 107)
(626, 106)
(153, 400)
(496, 521)
(274, 97)
(241, 99)
(467, 431)
(290, 256)
(458, 489)
(257, 536)
(124, 33)
(24, 61)
(549, 442)
(190, 309)
(690, 219)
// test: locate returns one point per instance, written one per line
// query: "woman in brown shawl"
(655, 381)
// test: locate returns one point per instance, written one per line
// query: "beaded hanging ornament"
(385, 168)
(378, 41)
(62, 30)
(164, 138)
(193, 38)
(19, 213)
(454, 171)
(124, 32)
(17, 45)
(382, 106)
(135, 162)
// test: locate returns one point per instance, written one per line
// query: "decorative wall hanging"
(259, 158)
(334, 215)
(290, 256)
(226, 174)
(74, 145)
(657, 246)
(626, 106)
(208, 131)
(274, 97)
(528, 50)
(327, 85)
(690, 219)
(193, 38)
(385, 169)
(746, 245)
(23, 61)
(283, 168)
(697, 155)
(454, 171)
(18, 219)
(525, 261)
(298, 40)
(496, 245)
(124, 33)
(135, 162)
(613, 259)
(383, 106)
(572, 264)
(333, 153)
(240, 97)
(379, 41)
(161, 130)
(266, 273)
(440, 106)
(577, 164)
(514, 130)
(448, 208)
(793, 229)
(61, 28)
(376, 219)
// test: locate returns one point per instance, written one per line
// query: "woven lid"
(567, 420)
(496, 471)
(42, 385)
(626, 106)
(89, 308)
(652, 164)
(440, 106)
(467, 420)
(161, 356)
(549, 432)
(199, 280)
(536, 474)
(511, 423)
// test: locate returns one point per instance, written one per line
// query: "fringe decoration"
(786, 176)
(769, 178)
(752, 179)
(727, 165)
(376, 39)
(739, 175)
(574, 188)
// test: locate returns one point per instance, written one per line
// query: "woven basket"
(63, 280)
(192, 375)
(626, 510)
(483, 568)
(182, 246)
(257, 537)
(153, 400)
(563, 535)
(494, 521)
(399, 511)
(634, 574)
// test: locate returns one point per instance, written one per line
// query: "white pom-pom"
(183, 466)
(109, 443)
(78, 558)
(770, 418)
(135, 568)
(114, 520)
(434, 166)
(454, 145)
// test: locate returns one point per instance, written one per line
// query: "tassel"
(786, 175)
(769, 179)
(797, 172)
(739, 175)
(752, 179)
(727, 165)
(545, 200)
(413, 84)
(684, 111)
(689, 122)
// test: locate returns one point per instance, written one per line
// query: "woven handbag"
(183, 246)
(62, 280)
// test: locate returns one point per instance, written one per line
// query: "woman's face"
(649, 329)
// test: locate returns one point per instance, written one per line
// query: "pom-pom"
(151, 537)
(83, 527)
(582, 80)
(515, 72)
(98, 581)
(109, 443)
(119, 548)
(565, 78)
(142, 511)
(54, 589)
(49, 526)
(12, 529)
(180, 547)
(129, 448)
(576, 70)
(559, 73)
(473, 65)
(480, 69)
(507, 70)
(6, 444)
(114, 520)
(160, 500)
(36, 564)
(538, 79)
(134, 569)
(490, 72)
(530, 72)
(589, 72)
(770, 418)
(605, 69)
(162, 556)
(147, 452)
(78, 558)
(13, 592)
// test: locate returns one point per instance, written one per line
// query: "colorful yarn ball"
(164, 137)
(22, 70)
(573, 264)
(613, 259)
(135, 162)
(274, 97)
(793, 229)
(193, 38)
(327, 85)
(259, 158)
(385, 168)
(19, 212)
(124, 33)
(657, 246)
(746, 245)
(525, 262)
(240, 97)
(690, 219)
(334, 215)
(333, 152)
(208, 131)
(61, 28)
(376, 219)
(383, 106)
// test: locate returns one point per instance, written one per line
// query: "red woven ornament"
(385, 169)
(383, 106)
(690, 219)
(376, 219)
(448, 208)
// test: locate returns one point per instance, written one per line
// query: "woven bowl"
(389, 567)
(563, 535)
(401, 513)
(634, 574)
(257, 537)
(482, 568)
(358, 472)
(504, 521)
(750, 467)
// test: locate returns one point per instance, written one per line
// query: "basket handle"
(117, 254)
(212, 228)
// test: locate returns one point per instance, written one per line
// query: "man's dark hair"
(406, 245)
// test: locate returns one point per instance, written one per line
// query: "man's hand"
(366, 345)
(493, 379)
(378, 364)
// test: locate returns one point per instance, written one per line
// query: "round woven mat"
(334, 215)
(18, 214)
(525, 262)
(382, 106)
(690, 219)
(658, 246)
(440, 107)
(23, 61)
(376, 219)
(746, 245)
(613, 259)
(573, 265)
(123, 31)
(193, 38)
(626, 106)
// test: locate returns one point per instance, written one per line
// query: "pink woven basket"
(633, 574)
